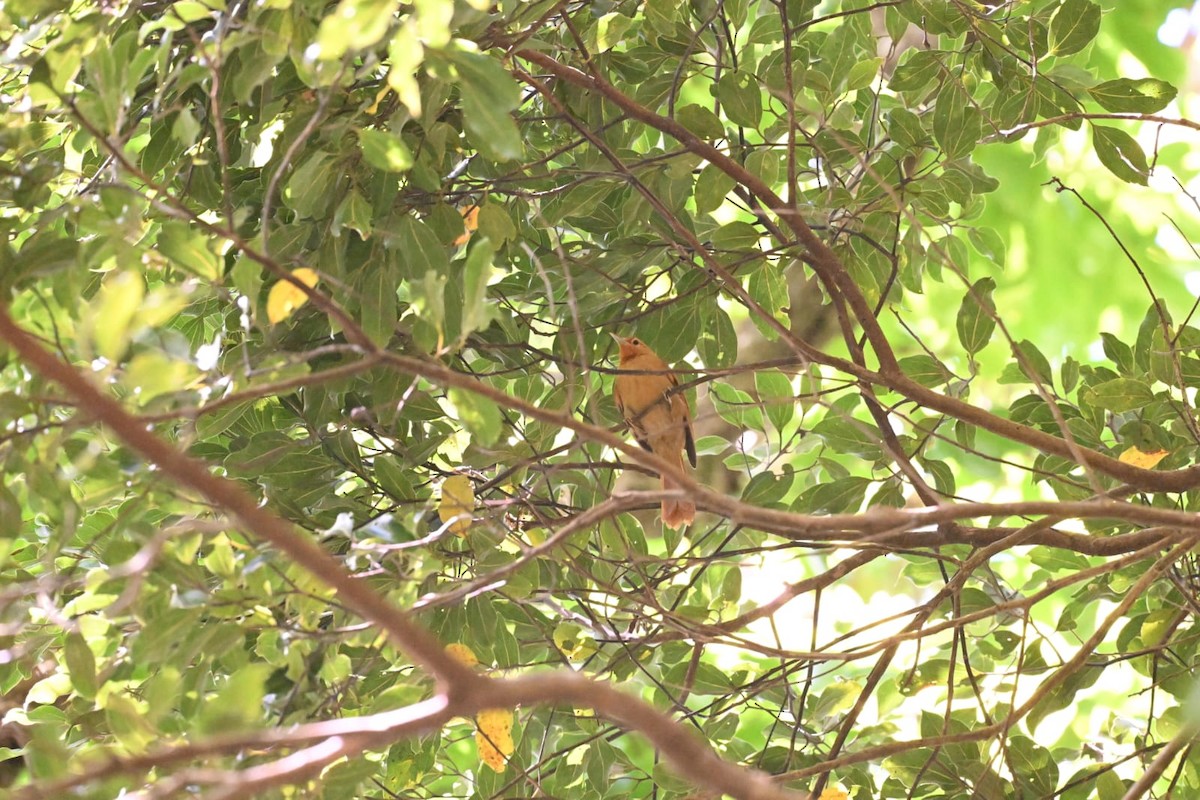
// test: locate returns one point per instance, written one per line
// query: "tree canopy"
(314, 485)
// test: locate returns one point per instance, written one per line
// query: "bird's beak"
(618, 339)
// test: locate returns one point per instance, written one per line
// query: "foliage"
(362, 260)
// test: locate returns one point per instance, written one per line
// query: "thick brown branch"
(463, 690)
(194, 474)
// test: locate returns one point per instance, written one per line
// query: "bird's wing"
(689, 441)
(635, 425)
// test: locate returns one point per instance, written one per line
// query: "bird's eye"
(634, 342)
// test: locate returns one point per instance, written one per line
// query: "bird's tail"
(676, 513)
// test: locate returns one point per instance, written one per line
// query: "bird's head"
(630, 348)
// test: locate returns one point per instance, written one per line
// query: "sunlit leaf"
(1145, 460)
(285, 297)
(1140, 96)
(457, 504)
(384, 150)
(1121, 394)
(459, 651)
(115, 311)
(493, 737)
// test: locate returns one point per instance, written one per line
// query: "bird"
(659, 418)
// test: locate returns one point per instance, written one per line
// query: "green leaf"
(741, 98)
(890, 495)
(672, 331)
(1140, 96)
(429, 298)
(1119, 353)
(935, 16)
(925, 370)
(777, 396)
(957, 123)
(976, 316)
(765, 164)
(489, 94)
(406, 51)
(736, 236)
(189, 11)
(479, 414)
(477, 272)
(354, 213)
(127, 721)
(735, 406)
(1121, 154)
(153, 373)
(1073, 26)
(238, 703)
(767, 488)
(919, 69)
(214, 423)
(1069, 374)
(255, 66)
(731, 586)
(989, 243)
(1121, 394)
(769, 289)
(1063, 694)
(905, 128)
(189, 250)
(496, 224)
(707, 679)
(384, 150)
(376, 286)
(712, 187)
(82, 664)
(1109, 785)
(1034, 364)
(849, 436)
(419, 248)
(842, 496)
(393, 477)
(943, 476)
(718, 341)
(10, 519)
(838, 697)
(312, 187)
(580, 200)
(862, 74)
(700, 121)
(344, 778)
(114, 311)
(354, 25)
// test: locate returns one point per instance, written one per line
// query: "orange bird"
(660, 421)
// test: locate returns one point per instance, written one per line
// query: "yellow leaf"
(494, 736)
(382, 93)
(1140, 458)
(833, 793)
(462, 654)
(570, 639)
(457, 503)
(285, 297)
(470, 223)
